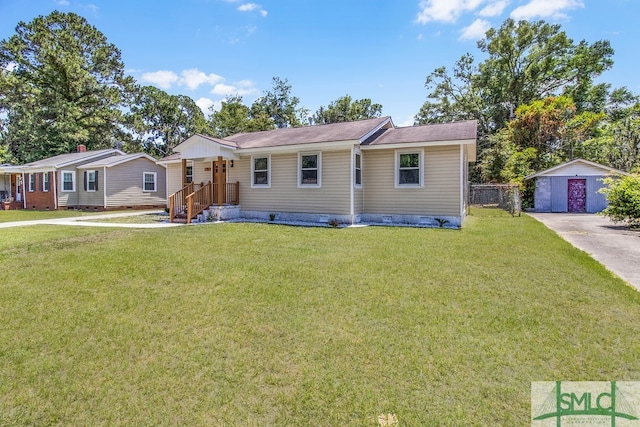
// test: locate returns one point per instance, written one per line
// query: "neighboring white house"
(362, 171)
(572, 187)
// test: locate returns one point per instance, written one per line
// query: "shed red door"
(577, 195)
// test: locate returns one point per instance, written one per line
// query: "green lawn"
(267, 325)
(28, 215)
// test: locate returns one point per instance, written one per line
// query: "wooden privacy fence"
(504, 196)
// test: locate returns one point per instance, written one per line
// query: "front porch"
(190, 201)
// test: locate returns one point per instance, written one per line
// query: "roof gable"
(200, 146)
(578, 167)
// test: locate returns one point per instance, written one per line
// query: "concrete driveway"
(613, 245)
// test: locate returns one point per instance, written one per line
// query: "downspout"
(55, 188)
(104, 186)
(24, 193)
(462, 184)
(351, 185)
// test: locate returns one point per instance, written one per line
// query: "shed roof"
(578, 167)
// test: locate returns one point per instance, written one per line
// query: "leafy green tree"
(344, 109)
(526, 61)
(161, 121)
(280, 106)
(61, 84)
(623, 194)
(618, 144)
(233, 117)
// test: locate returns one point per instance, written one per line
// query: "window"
(261, 172)
(409, 169)
(309, 170)
(45, 181)
(32, 182)
(68, 181)
(189, 174)
(91, 180)
(149, 181)
(358, 170)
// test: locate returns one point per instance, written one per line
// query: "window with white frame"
(32, 182)
(45, 181)
(189, 174)
(149, 181)
(409, 167)
(91, 180)
(357, 173)
(309, 169)
(68, 181)
(261, 171)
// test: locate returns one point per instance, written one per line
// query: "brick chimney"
(82, 148)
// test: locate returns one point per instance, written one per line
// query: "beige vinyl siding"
(440, 194)
(200, 174)
(333, 197)
(174, 178)
(124, 184)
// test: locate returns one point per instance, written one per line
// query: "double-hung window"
(45, 181)
(309, 169)
(409, 168)
(357, 173)
(149, 181)
(91, 180)
(68, 181)
(32, 182)
(261, 172)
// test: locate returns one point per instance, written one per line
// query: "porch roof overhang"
(199, 147)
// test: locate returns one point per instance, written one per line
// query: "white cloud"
(409, 121)
(242, 88)
(163, 79)
(545, 9)
(224, 90)
(252, 7)
(476, 30)
(205, 104)
(445, 10)
(494, 9)
(193, 78)
(63, 2)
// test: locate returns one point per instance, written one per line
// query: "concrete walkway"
(89, 221)
(613, 245)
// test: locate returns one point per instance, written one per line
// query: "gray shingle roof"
(346, 131)
(114, 160)
(68, 159)
(455, 131)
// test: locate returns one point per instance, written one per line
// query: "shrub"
(623, 194)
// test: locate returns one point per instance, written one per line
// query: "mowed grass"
(266, 325)
(29, 215)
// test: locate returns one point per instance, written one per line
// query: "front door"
(219, 181)
(577, 195)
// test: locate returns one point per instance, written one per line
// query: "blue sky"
(382, 50)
